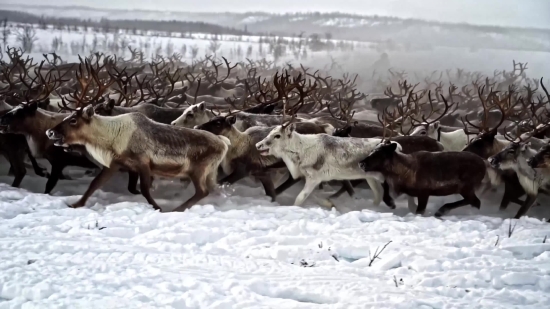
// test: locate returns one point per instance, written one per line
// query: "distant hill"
(417, 34)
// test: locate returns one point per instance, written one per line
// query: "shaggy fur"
(320, 158)
(142, 145)
(423, 174)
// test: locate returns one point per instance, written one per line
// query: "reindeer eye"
(277, 136)
(73, 121)
(189, 115)
(423, 133)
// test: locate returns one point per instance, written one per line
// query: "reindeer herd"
(464, 134)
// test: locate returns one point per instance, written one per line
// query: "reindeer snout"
(532, 162)
(494, 161)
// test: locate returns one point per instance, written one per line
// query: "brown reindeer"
(423, 174)
(134, 142)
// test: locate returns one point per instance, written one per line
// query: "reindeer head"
(105, 108)
(342, 132)
(276, 140)
(541, 159)
(483, 144)
(20, 118)
(219, 125)
(73, 128)
(509, 155)
(380, 157)
(194, 115)
(427, 129)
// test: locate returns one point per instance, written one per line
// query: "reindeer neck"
(104, 131)
(302, 142)
(400, 165)
(44, 120)
(235, 135)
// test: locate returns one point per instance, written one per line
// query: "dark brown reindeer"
(409, 144)
(423, 174)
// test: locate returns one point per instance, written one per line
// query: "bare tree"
(194, 52)
(214, 45)
(26, 37)
(5, 32)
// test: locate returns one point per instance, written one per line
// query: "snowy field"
(420, 59)
(238, 250)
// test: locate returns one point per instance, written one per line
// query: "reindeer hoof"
(440, 213)
(43, 173)
(76, 205)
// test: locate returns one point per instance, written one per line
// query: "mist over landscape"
(528, 13)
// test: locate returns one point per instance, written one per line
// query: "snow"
(238, 250)
(71, 44)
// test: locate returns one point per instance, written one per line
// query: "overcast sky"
(522, 13)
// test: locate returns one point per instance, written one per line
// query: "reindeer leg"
(145, 185)
(238, 174)
(512, 194)
(469, 198)
(268, 186)
(306, 191)
(19, 170)
(376, 188)
(105, 174)
(38, 170)
(386, 197)
(132, 182)
(286, 185)
(199, 180)
(422, 203)
(57, 172)
(346, 187)
(526, 206)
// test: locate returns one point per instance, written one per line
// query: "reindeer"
(33, 122)
(485, 145)
(423, 174)
(136, 143)
(455, 140)
(242, 158)
(159, 114)
(516, 157)
(319, 158)
(197, 114)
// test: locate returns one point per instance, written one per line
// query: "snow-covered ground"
(238, 250)
(70, 44)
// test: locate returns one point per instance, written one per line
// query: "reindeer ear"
(392, 147)
(347, 130)
(291, 128)
(111, 104)
(436, 125)
(88, 112)
(201, 106)
(33, 106)
(231, 120)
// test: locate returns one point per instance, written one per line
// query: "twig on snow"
(511, 229)
(377, 253)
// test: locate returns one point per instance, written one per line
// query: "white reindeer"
(320, 158)
(451, 141)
